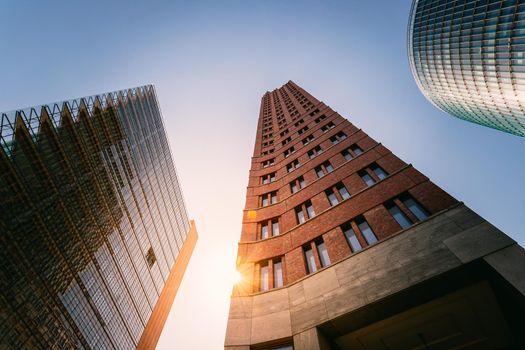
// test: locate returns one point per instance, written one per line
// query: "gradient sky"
(211, 61)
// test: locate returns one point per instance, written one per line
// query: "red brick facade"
(292, 109)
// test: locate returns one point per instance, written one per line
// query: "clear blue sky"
(211, 62)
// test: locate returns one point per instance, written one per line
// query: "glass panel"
(379, 172)
(368, 179)
(300, 216)
(352, 240)
(277, 275)
(264, 278)
(264, 232)
(356, 149)
(274, 198)
(418, 211)
(310, 261)
(294, 187)
(310, 210)
(400, 217)
(319, 172)
(264, 200)
(301, 182)
(323, 255)
(343, 192)
(332, 198)
(328, 167)
(347, 155)
(367, 232)
(275, 228)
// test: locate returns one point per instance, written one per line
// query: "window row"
(357, 232)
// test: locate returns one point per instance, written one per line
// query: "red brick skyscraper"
(344, 245)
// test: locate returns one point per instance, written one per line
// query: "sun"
(236, 277)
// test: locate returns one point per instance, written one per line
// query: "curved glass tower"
(468, 59)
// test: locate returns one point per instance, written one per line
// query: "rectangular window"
(340, 136)
(367, 232)
(269, 228)
(328, 126)
(288, 139)
(323, 169)
(310, 260)
(264, 231)
(299, 122)
(264, 282)
(268, 198)
(332, 198)
(351, 238)
(265, 179)
(352, 152)
(268, 162)
(314, 152)
(323, 254)
(380, 173)
(292, 165)
(289, 151)
(275, 227)
(398, 215)
(302, 130)
(419, 212)
(367, 179)
(343, 192)
(284, 132)
(304, 212)
(308, 139)
(277, 274)
(320, 119)
(297, 184)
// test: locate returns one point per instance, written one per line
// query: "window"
(268, 198)
(310, 260)
(398, 215)
(351, 152)
(340, 189)
(351, 238)
(292, 165)
(265, 179)
(304, 212)
(314, 152)
(297, 184)
(309, 257)
(284, 132)
(302, 131)
(340, 136)
(328, 126)
(268, 162)
(332, 198)
(314, 112)
(320, 119)
(366, 231)
(308, 139)
(150, 257)
(285, 141)
(264, 283)
(323, 169)
(267, 152)
(299, 122)
(367, 179)
(419, 212)
(289, 151)
(380, 173)
(269, 228)
(323, 254)
(278, 279)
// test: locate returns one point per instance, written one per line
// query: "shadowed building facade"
(346, 246)
(95, 235)
(467, 58)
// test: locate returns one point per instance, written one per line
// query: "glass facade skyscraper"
(93, 222)
(468, 59)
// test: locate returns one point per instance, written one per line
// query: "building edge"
(155, 325)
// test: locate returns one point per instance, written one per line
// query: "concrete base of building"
(151, 334)
(452, 281)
